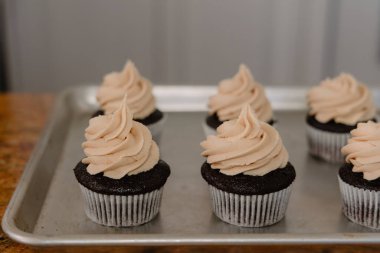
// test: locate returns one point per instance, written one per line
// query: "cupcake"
(248, 172)
(336, 107)
(232, 95)
(359, 178)
(122, 176)
(140, 98)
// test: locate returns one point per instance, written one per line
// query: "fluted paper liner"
(157, 128)
(121, 211)
(211, 131)
(250, 210)
(326, 145)
(361, 206)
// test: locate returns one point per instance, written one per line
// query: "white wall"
(57, 43)
(358, 40)
(54, 44)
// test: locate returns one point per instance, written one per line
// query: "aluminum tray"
(46, 208)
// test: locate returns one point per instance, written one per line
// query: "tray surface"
(47, 209)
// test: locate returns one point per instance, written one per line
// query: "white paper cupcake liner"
(211, 131)
(156, 128)
(326, 145)
(360, 206)
(250, 210)
(121, 211)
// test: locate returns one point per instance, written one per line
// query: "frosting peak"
(118, 146)
(342, 99)
(116, 84)
(234, 93)
(363, 150)
(245, 145)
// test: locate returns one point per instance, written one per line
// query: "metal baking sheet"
(46, 208)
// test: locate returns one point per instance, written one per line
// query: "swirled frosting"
(117, 145)
(245, 145)
(342, 99)
(234, 93)
(363, 150)
(116, 84)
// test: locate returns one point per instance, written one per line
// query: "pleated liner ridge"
(360, 205)
(121, 211)
(157, 128)
(326, 145)
(211, 131)
(250, 210)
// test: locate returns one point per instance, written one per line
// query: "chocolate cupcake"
(248, 172)
(140, 98)
(336, 107)
(232, 95)
(359, 178)
(122, 177)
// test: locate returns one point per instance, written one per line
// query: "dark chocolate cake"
(331, 126)
(150, 119)
(356, 178)
(213, 121)
(273, 181)
(128, 185)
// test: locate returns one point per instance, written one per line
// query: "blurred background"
(48, 45)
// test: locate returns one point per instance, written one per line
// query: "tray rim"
(184, 239)
(12, 231)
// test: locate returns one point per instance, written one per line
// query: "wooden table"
(22, 118)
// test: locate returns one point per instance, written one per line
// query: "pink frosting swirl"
(342, 99)
(117, 145)
(363, 150)
(245, 145)
(116, 84)
(240, 90)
